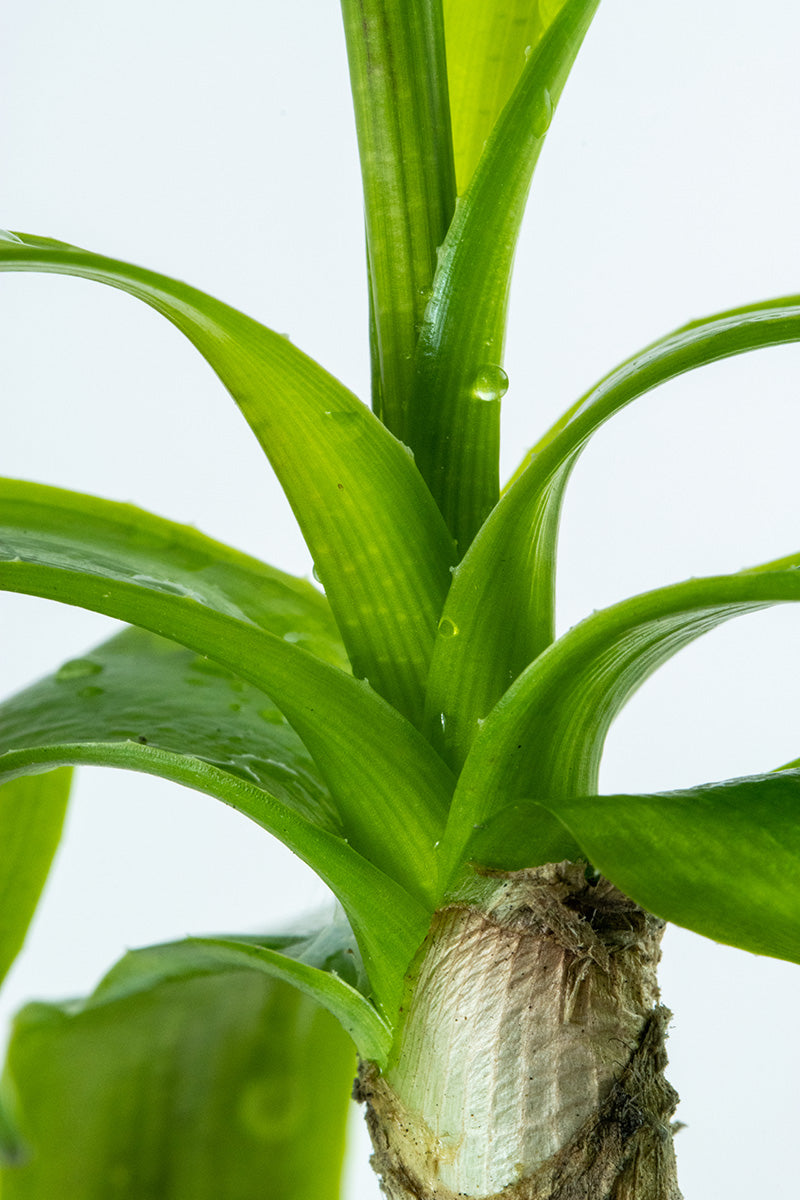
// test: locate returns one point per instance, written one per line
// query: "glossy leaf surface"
(456, 407)
(399, 84)
(31, 817)
(323, 966)
(722, 859)
(380, 547)
(142, 703)
(139, 690)
(205, 1086)
(545, 737)
(389, 787)
(488, 45)
(501, 601)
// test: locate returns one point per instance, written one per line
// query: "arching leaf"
(545, 737)
(722, 859)
(200, 1085)
(380, 547)
(389, 787)
(501, 601)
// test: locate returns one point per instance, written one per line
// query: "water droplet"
(164, 585)
(272, 716)
(293, 636)
(443, 721)
(77, 668)
(7, 236)
(447, 628)
(491, 383)
(235, 707)
(315, 573)
(543, 114)
(86, 693)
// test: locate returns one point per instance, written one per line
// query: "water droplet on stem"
(491, 383)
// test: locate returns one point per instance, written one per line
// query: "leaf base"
(530, 1059)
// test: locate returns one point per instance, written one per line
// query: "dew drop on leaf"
(447, 628)
(491, 383)
(543, 114)
(272, 716)
(77, 668)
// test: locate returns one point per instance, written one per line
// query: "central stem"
(530, 1056)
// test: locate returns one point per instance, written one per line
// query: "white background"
(219, 147)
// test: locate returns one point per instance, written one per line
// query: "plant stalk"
(399, 82)
(530, 1056)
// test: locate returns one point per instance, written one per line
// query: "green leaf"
(722, 859)
(380, 547)
(454, 431)
(501, 601)
(143, 703)
(205, 570)
(150, 695)
(31, 816)
(390, 788)
(519, 836)
(313, 965)
(207, 1086)
(546, 736)
(399, 84)
(488, 45)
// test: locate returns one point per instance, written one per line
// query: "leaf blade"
(503, 592)
(454, 430)
(191, 1088)
(31, 819)
(721, 859)
(399, 87)
(390, 786)
(365, 513)
(481, 82)
(545, 737)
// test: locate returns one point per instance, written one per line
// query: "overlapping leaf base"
(532, 1050)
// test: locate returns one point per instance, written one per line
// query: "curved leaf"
(141, 689)
(195, 957)
(519, 836)
(454, 429)
(545, 737)
(31, 817)
(200, 1086)
(380, 547)
(488, 44)
(176, 559)
(389, 786)
(722, 859)
(143, 703)
(399, 83)
(501, 600)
